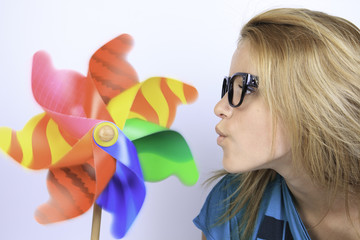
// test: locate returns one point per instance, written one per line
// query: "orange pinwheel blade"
(74, 188)
(109, 69)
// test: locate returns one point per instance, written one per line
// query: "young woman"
(290, 132)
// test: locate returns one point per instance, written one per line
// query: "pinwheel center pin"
(106, 134)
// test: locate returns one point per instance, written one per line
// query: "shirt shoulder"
(214, 208)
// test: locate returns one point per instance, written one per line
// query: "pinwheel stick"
(103, 135)
(96, 221)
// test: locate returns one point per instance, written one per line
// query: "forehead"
(241, 60)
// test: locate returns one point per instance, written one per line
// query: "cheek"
(257, 132)
(260, 140)
(250, 145)
(252, 138)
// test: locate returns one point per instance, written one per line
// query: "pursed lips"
(221, 136)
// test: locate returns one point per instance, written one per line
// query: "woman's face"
(245, 132)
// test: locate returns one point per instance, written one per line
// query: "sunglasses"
(237, 86)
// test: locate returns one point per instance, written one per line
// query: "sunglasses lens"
(237, 89)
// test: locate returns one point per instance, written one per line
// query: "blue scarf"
(277, 218)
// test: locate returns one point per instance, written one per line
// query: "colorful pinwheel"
(101, 136)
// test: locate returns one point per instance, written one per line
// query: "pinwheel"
(101, 136)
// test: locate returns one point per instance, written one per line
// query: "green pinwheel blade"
(162, 152)
(136, 128)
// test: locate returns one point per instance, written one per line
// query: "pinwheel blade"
(162, 152)
(76, 181)
(154, 100)
(124, 195)
(69, 98)
(109, 70)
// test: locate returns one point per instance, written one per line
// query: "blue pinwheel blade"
(124, 195)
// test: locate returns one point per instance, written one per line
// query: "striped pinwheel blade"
(154, 100)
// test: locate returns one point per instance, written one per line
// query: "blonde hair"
(308, 64)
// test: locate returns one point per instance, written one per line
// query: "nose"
(222, 108)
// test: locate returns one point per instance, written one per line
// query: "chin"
(234, 165)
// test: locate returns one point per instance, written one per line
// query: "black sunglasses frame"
(250, 82)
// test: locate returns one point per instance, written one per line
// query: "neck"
(308, 197)
(314, 203)
(311, 201)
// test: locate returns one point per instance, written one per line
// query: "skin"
(245, 132)
(245, 135)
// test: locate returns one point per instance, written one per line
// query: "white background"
(191, 40)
